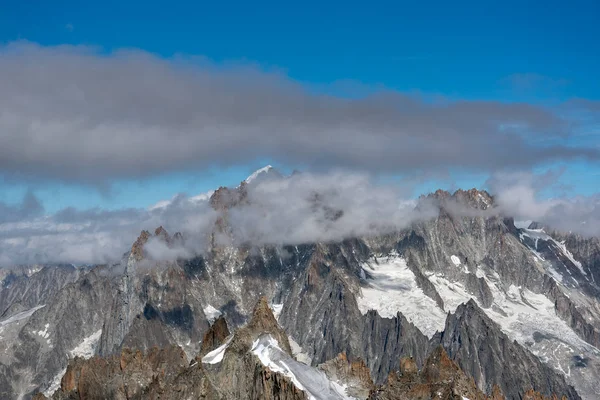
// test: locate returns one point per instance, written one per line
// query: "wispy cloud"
(518, 195)
(300, 209)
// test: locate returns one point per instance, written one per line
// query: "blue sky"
(541, 53)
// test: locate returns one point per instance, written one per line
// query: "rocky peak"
(439, 367)
(162, 233)
(440, 378)
(472, 198)
(480, 199)
(137, 249)
(215, 335)
(440, 194)
(263, 321)
(225, 198)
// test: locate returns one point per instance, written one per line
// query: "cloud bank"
(299, 209)
(517, 195)
(78, 114)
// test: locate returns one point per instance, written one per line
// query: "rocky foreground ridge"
(233, 367)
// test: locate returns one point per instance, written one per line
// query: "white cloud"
(298, 209)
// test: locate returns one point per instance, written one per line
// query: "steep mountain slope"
(25, 288)
(475, 343)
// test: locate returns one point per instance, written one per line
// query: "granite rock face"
(474, 341)
(214, 336)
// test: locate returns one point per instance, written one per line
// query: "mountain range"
(468, 305)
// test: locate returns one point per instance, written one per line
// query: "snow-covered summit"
(202, 197)
(255, 177)
(257, 173)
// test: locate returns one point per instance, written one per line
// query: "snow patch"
(45, 334)
(455, 260)
(33, 270)
(539, 234)
(479, 272)
(569, 255)
(483, 199)
(256, 173)
(55, 384)
(308, 379)
(298, 352)
(200, 198)
(87, 348)
(524, 316)
(523, 224)
(20, 316)
(211, 313)
(392, 288)
(216, 356)
(453, 294)
(277, 310)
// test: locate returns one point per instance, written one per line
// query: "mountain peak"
(263, 321)
(473, 198)
(262, 174)
(257, 173)
(137, 249)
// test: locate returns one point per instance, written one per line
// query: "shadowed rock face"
(474, 341)
(215, 335)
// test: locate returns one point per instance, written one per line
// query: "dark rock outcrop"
(440, 378)
(215, 335)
